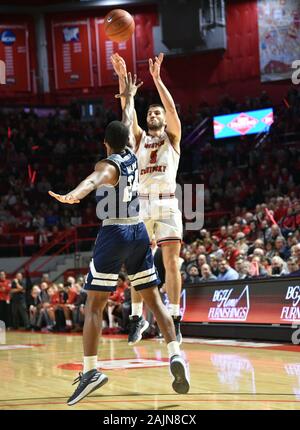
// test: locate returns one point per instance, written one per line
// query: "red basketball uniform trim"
(166, 240)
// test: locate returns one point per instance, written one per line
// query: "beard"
(155, 125)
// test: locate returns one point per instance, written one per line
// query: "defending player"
(122, 239)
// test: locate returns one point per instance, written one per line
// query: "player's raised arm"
(172, 118)
(130, 89)
(105, 174)
(119, 66)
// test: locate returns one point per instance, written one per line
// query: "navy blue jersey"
(121, 200)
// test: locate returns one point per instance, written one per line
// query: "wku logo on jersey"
(153, 157)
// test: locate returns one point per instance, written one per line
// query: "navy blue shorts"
(117, 245)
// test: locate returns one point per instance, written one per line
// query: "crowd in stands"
(251, 200)
(38, 154)
(252, 190)
(42, 153)
(233, 252)
(262, 243)
(58, 307)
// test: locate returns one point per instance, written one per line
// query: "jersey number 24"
(132, 186)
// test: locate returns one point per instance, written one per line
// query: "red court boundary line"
(156, 400)
(287, 348)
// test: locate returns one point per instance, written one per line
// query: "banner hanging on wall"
(72, 54)
(14, 51)
(105, 48)
(279, 38)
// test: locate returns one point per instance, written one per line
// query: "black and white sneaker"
(176, 321)
(88, 382)
(137, 326)
(179, 370)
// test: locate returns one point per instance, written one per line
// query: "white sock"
(174, 310)
(68, 323)
(173, 348)
(137, 309)
(111, 318)
(89, 363)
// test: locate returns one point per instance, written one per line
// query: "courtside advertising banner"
(105, 49)
(72, 54)
(246, 301)
(14, 51)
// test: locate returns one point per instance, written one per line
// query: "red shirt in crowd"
(118, 295)
(4, 290)
(291, 221)
(55, 299)
(72, 295)
(279, 213)
(232, 256)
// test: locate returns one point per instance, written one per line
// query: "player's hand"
(131, 86)
(154, 67)
(119, 65)
(67, 198)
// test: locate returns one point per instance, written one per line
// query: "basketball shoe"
(137, 326)
(88, 382)
(178, 369)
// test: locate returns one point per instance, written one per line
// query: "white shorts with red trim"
(163, 219)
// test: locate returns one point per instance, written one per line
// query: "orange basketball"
(119, 25)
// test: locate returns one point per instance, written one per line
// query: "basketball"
(119, 25)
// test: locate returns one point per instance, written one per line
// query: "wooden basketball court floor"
(37, 371)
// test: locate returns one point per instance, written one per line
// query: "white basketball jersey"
(158, 163)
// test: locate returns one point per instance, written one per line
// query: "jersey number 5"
(153, 157)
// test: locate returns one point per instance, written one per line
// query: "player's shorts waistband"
(114, 221)
(156, 196)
